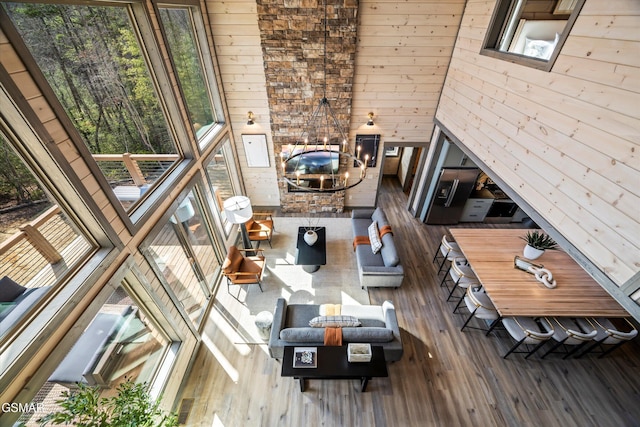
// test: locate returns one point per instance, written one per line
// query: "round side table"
(264, 319)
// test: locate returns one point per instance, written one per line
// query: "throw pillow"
(334, 321)
(9, 290)
(374, 237)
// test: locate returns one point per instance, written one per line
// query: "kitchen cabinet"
(475, 210)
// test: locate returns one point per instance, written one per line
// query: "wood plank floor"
(446, 377)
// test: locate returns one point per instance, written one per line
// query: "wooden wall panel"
(567, 140)
(402, 57)
(234, 25)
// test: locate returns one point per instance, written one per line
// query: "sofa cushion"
(333, 321)
(302, 334)
(300, 314)
(367, 258)
(10, 290)
(374, 237)
(379, 216)
(360, 226)
(388, 251)
(367, 334)
(368, 315)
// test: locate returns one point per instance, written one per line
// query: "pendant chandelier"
(320, 157)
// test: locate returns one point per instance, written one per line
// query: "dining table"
(491, 254)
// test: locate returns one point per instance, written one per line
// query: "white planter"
(310, 237)
(532, 253)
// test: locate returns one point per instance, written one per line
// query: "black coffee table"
(311, 257)
(333, 365)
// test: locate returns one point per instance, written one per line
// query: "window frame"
(194, 187)
(208, 68)
(135, 217)
(501, 14)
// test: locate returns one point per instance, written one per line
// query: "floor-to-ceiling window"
(40, 245)
(183, 253)
(185, 36)
(121, 342)
(105, 72)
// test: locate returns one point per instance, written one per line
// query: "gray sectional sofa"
(379, 326)
(384, 268)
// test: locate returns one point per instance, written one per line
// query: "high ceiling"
(402, 54)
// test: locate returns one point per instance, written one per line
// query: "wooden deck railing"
(141, 168)
(47, 243)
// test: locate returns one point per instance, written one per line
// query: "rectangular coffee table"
(311, 257)
(333, 365)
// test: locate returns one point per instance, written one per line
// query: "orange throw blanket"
(384, 230)
(360, 240)
(332, 336)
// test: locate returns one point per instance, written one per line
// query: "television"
(314, 161)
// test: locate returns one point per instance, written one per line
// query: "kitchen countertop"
(481, 194)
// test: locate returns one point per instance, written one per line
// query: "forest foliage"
(93, 61)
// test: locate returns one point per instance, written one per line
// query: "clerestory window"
(530, 32)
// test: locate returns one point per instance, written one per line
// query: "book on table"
(305, 357)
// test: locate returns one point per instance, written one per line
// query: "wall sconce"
(370, 122)
(250, 117)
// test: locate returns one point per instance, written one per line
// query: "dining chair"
(461, 275)
(526, 331)
(480, 307)
(240, 269)
(447, 252)
(607, 334)
(567, 333)
(260, 230)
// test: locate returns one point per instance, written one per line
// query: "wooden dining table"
(514, 292)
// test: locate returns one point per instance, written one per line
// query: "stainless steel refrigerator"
(451, 193)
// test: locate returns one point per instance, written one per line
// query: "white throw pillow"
(334, 321)
(374, 237)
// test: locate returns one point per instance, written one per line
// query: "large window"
(120, 343)
(220, 181)
(198, 85)
(530, 32)
(183, 253)
(95, 64)
(39, 244)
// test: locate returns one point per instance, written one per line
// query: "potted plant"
(131, 406)
(537, 243)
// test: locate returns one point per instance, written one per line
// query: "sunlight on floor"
(218, 321)
(226, 365)
(348, 299)
(216, 421)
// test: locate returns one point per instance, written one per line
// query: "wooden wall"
(568, 140)
(402, 57)
(234, 25)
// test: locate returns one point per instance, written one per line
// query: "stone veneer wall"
(292, 37)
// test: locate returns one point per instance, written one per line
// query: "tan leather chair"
(260, 229)
(243, 270)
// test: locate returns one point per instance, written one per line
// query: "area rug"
(336, 282)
